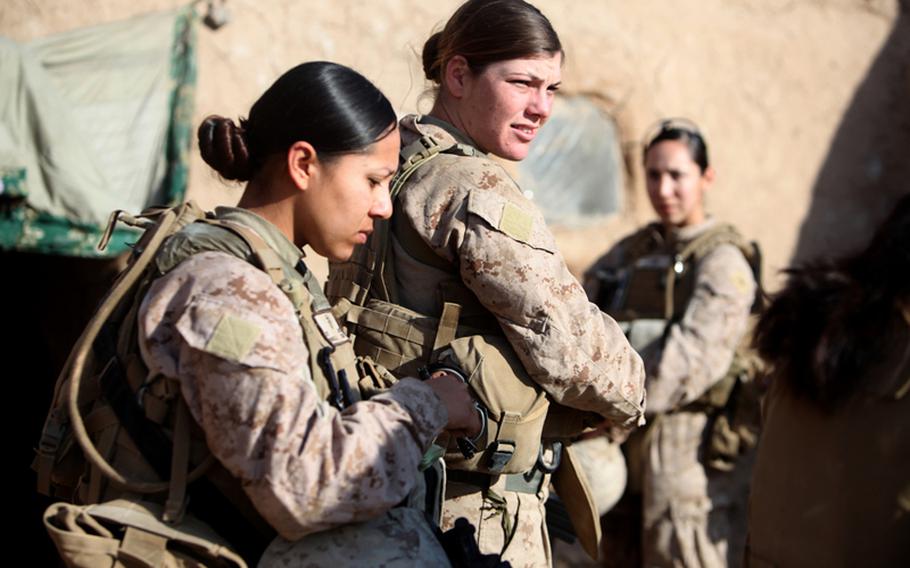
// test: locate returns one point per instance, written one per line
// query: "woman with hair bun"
(237, 326)
(466, 247)
(683, 288)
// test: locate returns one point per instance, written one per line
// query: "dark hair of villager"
(836, 321)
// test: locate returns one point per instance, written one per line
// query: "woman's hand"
(464, 420)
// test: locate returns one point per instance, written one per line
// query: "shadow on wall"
(867, 167)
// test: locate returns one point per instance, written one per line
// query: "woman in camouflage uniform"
(317, 153)
(464, 232)
(692, 514)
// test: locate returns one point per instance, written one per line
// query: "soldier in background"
(682, 288)
(832, 475)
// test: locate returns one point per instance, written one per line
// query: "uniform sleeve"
(699, 348)
(507, 257)
(231, 338)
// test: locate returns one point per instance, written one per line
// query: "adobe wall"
(805, 104)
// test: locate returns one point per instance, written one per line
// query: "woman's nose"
(665, 187)
(541, 103)
(382, 204)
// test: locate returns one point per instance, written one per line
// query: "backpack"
(95, 404)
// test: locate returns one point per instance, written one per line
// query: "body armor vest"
(657, 279)
(651, 291)
(462, 332)
(466, 335)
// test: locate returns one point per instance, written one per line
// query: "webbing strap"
(448, 324)
(412, 157)
(263, 254)
(399, 326)
(175, 505)
(697, 248)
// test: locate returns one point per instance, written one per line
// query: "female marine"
(682, 288)
(463, 233)
(234, 332)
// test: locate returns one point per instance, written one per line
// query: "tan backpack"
(95, 414)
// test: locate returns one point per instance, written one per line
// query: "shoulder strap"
(412, 157)
(642, 242)
(722, 233)
(267, 259)
(701, 246)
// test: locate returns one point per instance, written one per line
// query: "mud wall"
(804, 103)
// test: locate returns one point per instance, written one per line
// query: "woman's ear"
(709, 176)
(302, 163)
(456, 75)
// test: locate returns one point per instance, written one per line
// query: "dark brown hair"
(836, 321)
(487, 31)
(331, 106)
(686, 132)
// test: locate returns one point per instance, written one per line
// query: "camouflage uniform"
(228, 334)
(472, 214)
(693, 516)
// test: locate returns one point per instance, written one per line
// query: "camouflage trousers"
(693, 516)
(510, 523)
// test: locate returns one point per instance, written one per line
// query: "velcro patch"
(741, 281)
(233, 338)
(516, 222)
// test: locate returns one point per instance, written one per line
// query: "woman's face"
(676, 185)
(345, 195)
(503, 106)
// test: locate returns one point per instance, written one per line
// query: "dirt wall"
(804, 103)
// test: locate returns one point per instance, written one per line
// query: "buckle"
(553, 464)
(501, 452)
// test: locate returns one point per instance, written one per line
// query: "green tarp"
(93, 120)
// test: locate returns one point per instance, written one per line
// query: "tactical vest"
(464, 333)
(651, 291)
(114, 431)
(521, 419)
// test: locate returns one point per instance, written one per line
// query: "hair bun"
(431, 58)
(223, 146)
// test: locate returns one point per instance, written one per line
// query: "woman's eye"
(375, 182)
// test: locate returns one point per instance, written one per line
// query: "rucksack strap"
(412, 158)
(168, 457)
